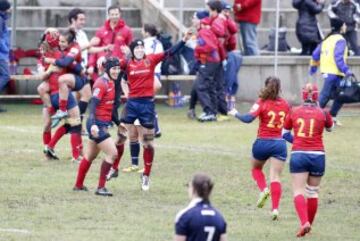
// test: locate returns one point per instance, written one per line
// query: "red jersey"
(104, 90)
(119, 36)
(271, 115)
(140, 75)
(308, 122)
(230, 39)
(74, 51)
(250, 11)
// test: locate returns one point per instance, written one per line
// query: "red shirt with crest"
(104, 90)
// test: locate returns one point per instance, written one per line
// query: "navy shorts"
(307, 162)
(103, 130)
(263, 149)
(80, 81)
(55, 101)
(139, 108)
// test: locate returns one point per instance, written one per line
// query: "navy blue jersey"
(200, 222)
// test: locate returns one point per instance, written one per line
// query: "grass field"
(37, 202)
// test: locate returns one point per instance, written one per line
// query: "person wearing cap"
(331, 55)
(349, 12)
(101, 116)
(200, 221)
(140, 70)
(4, 45)
(248, 14)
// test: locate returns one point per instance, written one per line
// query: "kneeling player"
(307, 163)
(100, 118)
(269, 145)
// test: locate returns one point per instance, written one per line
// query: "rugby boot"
(263, 196)
(132, 168)
(207, 117)
(55, 123)
(60, 115)
(103, 192)
(113, 173)
(50, 153)
(145, 182)
(80, 189)
(306, 228)
(275, 214)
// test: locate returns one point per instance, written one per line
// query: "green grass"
(36, 195)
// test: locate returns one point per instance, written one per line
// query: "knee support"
(312, 191)
(75, 129)
(121, 139)
(148, 140)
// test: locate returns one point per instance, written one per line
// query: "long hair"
(70, 35)
(272, 89)
(203, 186)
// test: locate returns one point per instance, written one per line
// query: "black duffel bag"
(349, 90)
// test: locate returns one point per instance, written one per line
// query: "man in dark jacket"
(348, 11)
(307, 30)
(4, 45)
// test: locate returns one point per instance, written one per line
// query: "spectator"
(348, 11)
(248, 14)
(307, 30)
(4, 45)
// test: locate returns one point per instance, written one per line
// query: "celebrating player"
(269, 145)
(100, 118)
(307, 162)
(200, 221)
(140, 104)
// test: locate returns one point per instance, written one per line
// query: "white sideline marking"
(18, 129)
(14, 230)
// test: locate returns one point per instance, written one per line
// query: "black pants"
(351, 38)
(308, 48)
(220, 104)
(206, 87)
(193, 96)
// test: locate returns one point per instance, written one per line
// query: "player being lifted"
(269, 145)
(307, 162)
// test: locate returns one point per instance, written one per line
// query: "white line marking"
(14, 230)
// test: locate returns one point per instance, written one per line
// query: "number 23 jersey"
(272, 115)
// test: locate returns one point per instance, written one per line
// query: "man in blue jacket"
(4, 45)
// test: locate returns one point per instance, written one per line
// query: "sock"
(275, 190)
(51, 110)
(63, 105)
(134, 152)
(46, 137)
(84, 167)
(156, 124)
(301, 208)
(259, 177)
(104, 170)
(62, 130)
(312, 204)
(120, 150)
(82, 106)
(148, 159)
(76, 144)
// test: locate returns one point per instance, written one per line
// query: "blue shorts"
(80, 81)
(55, 101)
(103, 130)
(263, 149)
(306, 162)
(142, 109)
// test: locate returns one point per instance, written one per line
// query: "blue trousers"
(234, 61)
(329, 88)
(4, 74)
(249, 38)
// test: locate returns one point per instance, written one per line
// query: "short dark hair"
(73, 14)
(151, 29)
(114, 6)
(202, 185)
(215, 5)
